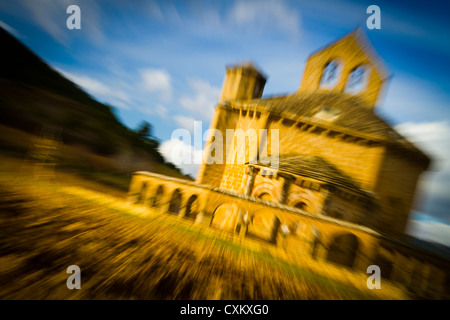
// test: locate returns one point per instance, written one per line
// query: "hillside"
(38, 106)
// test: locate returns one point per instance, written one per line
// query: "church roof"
(349, 112)
(317, 168)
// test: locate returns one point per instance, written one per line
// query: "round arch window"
(331, 74)
(357, 80)
(300, 205)
(265, 196)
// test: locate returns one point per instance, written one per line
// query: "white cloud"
(202, 104)
(410, 97)
(158, 110)
(118, 103)
(158, 80)
(182, 154)
(430, 230)
(10, 29)
(185, 122)
(161, 111)
(89, 84)
(266, 14)
(45, 14)
(162, 11)
(154, 10)
(434, 139)
(96, 88)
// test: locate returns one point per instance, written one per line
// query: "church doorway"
(343, 250)
(192, 207)
(175, 202)
(157, 199)
(141, 195)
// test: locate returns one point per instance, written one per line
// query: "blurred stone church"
(344, 181)
(337, 157)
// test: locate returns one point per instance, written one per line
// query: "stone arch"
(264, 192)
(264, 225)
(265, 196)
(357, 79)
(331, 74)
(158, 197)
(175, 202)
(343, 249)
(296, 199)
(225, 217)
(300, 205)
(140, 197)
(192, 207)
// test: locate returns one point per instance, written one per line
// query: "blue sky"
(164, 62)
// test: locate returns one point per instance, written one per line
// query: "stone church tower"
(335, 156)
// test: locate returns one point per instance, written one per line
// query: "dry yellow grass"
(129, 252)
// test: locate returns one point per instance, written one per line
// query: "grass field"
(130, 252)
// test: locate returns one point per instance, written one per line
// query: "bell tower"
(348, 65)
(242, 82)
